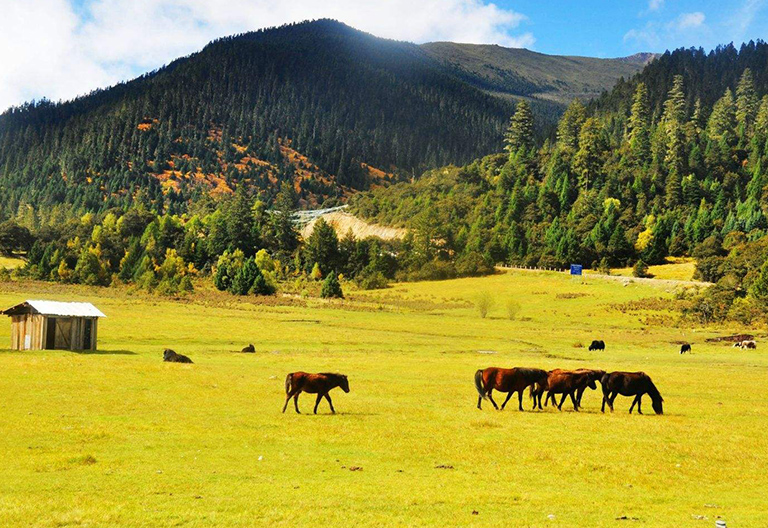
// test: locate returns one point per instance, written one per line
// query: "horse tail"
(288, 382)
(479, 383)
(534, 389)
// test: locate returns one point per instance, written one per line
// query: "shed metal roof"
(61, 309)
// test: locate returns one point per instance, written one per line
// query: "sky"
(59, 49)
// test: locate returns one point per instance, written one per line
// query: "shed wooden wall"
(27, 325)
(36, 327)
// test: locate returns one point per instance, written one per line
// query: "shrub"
(331, 287)
(513, 308)
(472, 264)
(604, 267)
(316, 273)
(373, 281)
(640, 269)
(5, 274)
(483, 303)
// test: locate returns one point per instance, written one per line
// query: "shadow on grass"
(105, 352)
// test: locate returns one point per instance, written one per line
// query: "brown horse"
(567, 383)
(320, 384)
(595, 374)
(630, 384)
(506, 380)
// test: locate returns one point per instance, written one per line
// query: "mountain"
(673, 162)
(521, 72)
(319, 104)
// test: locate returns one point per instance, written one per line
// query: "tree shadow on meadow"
(105, 352)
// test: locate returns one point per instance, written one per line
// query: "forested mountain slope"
(322, 105)
(671, 167)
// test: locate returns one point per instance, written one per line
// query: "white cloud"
(743, 18)
(687, 29)
(689, 20)
(50, 49)
(655, 5)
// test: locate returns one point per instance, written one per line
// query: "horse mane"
(653, 392)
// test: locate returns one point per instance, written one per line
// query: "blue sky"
(622, 27)
(63, 48)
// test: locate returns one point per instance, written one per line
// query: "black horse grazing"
(507, 380)
(320, 384)
(597, 345)
(172, 357)
(630, 384)
(685, 348)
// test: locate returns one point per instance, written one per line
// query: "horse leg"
(490, 397)
(520, 398)
(327, 397)
(575, 404)
(317, 401)
(634, 402)
(560, 406)
(611, 399)
(287, 399)
(639, 402)
(296, 402)
(509, 395)
(479, 401)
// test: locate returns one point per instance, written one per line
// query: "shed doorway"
(50, 336)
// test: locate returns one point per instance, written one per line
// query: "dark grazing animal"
(631, 384)
(745, 344)
(320, 384)
(595, 375)
(172, 357)
(685, 348)
(597, 345)
(506, 380)
(249, 348)
(567, 383)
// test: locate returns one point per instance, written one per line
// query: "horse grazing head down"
(168, 354)
(658, 405)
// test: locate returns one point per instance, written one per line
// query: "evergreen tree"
(746, 104)
(331, 287)
(639, 122)
(519, 135)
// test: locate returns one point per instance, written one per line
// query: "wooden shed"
(49, 325)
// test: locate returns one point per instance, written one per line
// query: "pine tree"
(519, 135)
(639, 122)
(570, 124)
(722, 121)
(746, 104)
(588, 160)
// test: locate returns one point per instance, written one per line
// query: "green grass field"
(119, 438)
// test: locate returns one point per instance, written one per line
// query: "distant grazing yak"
(597, 345)
(685, 348)
(745, 344)
(172, 357)
(249, 349)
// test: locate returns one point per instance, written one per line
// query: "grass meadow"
(119, 438)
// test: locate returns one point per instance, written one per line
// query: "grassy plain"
(118, 438)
